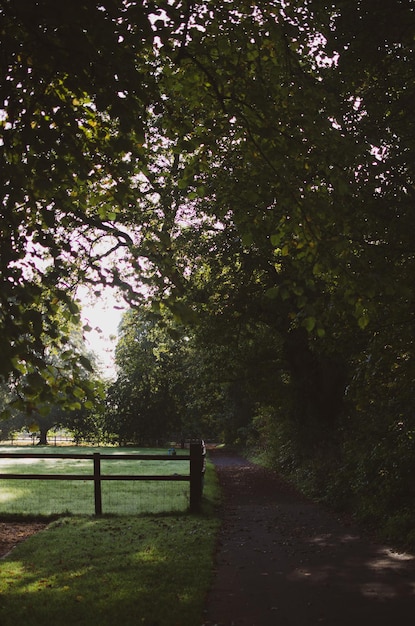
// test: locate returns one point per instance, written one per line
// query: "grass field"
(149, 570)
(47, 497)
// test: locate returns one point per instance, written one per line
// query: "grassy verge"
(149, 570)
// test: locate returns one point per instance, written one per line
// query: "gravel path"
(284, 561)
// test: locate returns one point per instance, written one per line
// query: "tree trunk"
(43, 437)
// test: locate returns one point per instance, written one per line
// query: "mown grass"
(130, 570)
(28, 497)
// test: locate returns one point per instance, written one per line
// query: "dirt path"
(12, 533)
(283, 561)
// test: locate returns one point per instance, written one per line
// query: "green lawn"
(29, 497)
(151, 570)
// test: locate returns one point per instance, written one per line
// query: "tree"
(310, 168)
(295, 141)
(57, 389)
(304, 156)
(267, 158)
(141, 403)
(73, 94)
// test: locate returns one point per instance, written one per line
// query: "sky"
(103, 315)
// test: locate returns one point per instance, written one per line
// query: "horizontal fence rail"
(195, 476)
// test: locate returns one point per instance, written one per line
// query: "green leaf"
(272, 292)
(35, 380)
(78, 392)
(182, 183)
(247, 239)
(86, 363)
(310, 323)
(363, 321)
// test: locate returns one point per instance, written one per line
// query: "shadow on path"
(284, 561)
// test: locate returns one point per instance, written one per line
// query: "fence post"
(197, 460)
(97, 483)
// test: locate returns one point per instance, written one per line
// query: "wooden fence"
(195, 476)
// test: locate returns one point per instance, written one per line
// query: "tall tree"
(75, 84)
(141, 404)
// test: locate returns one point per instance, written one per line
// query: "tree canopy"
(152, 127)
(66, 129)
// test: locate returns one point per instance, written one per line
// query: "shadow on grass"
(151, 570)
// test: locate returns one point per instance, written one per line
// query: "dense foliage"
(65, 130)
(249, 169)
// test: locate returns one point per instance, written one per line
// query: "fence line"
(195, 476)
